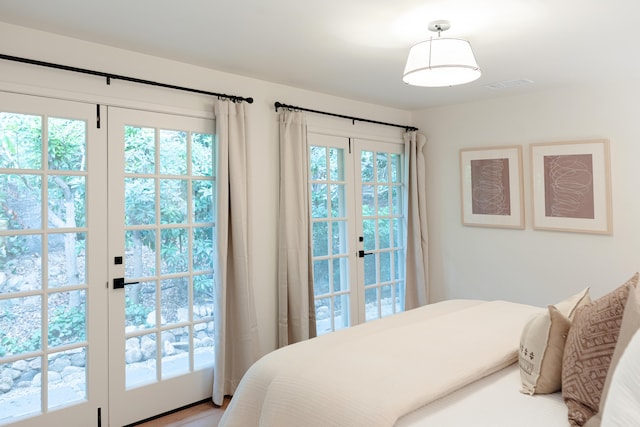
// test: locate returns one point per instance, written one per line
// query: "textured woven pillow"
(542, 345)
(630, 325)
(587, 354)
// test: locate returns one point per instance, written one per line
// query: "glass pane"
(323, 316)
(385, 266)
(319, 201)
(175, 352)
(320, 277)
(340, 274)
(21, 263)
(368, 200)
(173, 201)
(398, 263)
(140, 201)
(140, 355)
(139, 150)
(341, 312)
(339, 238)
(366, 166)
(369, 230)
(383, 200)
(203, 201)
(202, 296)
(21, 200)
(67, 377)
(174, 250)
(320, 238)
(202, 154)
(140, 306)
(396, 168)
(399, 297)
(371, 304)
(173, 152)
(338, 201)
(23, 389)
(396, 200)
(67, 318)
(383, 170)
(67, 202)
(318, 163)
(398, 232)
(370, 269)
(336, 164)
(386, 300)
(67, 255)
(203, 248)
(67, 144)
(383, 234)
(21, 137)
(140, 253)
(203, 344)
(174, 300)
(24, 336)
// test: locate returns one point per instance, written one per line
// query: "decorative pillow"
(630, 325)
(542, 345)
(587, 354)
(622, 408)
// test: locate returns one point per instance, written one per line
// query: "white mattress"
(494, 401)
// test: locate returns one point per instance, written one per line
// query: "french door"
(358, 229)
(53, 293)
(161, 250)
(86, 209)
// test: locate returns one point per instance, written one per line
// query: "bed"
(451, 363)
(490, 402)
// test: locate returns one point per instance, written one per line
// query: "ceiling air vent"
(508, 84)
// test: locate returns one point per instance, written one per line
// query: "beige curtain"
(236, 331)
(296, 313)
(417, 278)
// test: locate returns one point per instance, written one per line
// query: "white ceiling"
(357, 48)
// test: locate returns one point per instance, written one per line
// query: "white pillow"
(622, 407)
(542, 345)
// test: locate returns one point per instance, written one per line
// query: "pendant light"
(441, 61)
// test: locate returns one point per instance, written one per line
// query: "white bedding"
(373, 374)
(493, 401)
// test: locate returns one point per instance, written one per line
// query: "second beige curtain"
(296, 312)
(236, 328)
(416, 276)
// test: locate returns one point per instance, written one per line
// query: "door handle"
(362, 254)
(119, 283)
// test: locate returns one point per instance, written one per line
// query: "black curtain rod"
(110, 76)
(354, 119)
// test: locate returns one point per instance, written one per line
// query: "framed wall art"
(491, 180)
(572, 186)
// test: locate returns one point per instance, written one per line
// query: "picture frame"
(492, 187)
(571, 186)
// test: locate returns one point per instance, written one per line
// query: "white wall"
(263, 126)
(538, 267)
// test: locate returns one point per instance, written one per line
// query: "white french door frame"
(93, 409)
(349, 252)
(164, 394)
(352, 147)
(52, 87)
(360, 145)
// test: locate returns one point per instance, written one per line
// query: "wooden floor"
(204, 414)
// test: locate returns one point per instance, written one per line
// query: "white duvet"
(371, 375)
